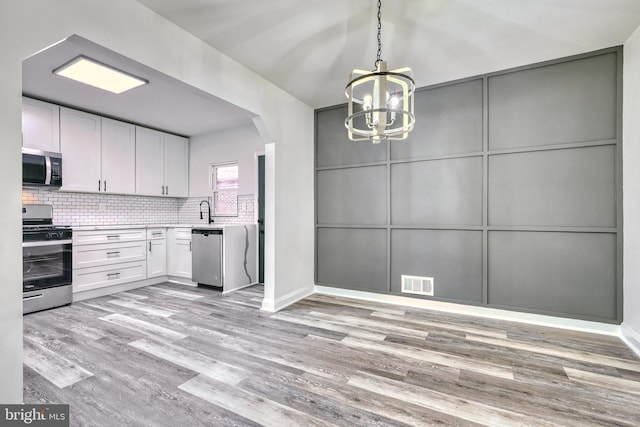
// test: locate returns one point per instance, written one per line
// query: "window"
(224, 183)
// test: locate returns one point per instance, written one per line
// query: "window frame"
(213, 168)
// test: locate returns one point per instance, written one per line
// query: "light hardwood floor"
(172, 355)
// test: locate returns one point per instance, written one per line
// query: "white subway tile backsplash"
(85, 209)
(190, 211)
(77, 209)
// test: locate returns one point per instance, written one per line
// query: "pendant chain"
(379, 35)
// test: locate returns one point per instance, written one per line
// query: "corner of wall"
(630, 329)
(631, 338)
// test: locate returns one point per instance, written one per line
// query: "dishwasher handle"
(206, 232)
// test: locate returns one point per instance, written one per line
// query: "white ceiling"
(308, 47)
(165, 103)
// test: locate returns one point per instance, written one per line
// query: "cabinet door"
(183, 259)
(80, 148)
(156, 258)
(149, 162)
(176, 165)
(118, 157)
(40, 125)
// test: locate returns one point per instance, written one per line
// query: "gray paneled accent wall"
(508, 193)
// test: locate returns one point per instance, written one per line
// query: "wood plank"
(581, 356)
(465, 409)
(59, 370)
(197, 362)
(259, 409)
(450, 360)
(606, 381)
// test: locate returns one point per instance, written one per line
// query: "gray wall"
(507, 193)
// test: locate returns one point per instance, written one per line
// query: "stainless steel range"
(46, 260)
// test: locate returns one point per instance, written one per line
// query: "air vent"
(417, 285)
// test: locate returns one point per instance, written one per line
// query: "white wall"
(131, 29)
(631, 190)
(235, 144)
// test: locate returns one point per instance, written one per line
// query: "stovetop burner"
(37, 224)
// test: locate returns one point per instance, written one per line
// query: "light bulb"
(368, 102)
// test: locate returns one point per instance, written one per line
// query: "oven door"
(46, 264)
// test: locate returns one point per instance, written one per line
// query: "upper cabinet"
(176, 166)
(98, 153)
(162, 162)
(40, 125)
(118, 157)
(80, 148)
(102, 155)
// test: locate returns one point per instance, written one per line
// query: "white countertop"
(203, 226)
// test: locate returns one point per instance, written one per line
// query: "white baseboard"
(630, 337)
(237, 289)
(181, 281)
(271, 305)
(109, 290)
(492, 313)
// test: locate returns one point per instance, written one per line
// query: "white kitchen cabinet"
(99, 153)
(80, 148)
(108, 257)
(179, 252)
(108, 253)
(176, 166)
(103, 276)
(40, 125)
(156, 252)
(161, 164)
(118, 157)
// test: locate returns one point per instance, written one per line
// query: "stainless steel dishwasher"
(207, 256)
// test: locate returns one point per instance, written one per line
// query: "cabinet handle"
(99, 186)
(167, 187)
(163, 190)
(112, 275)
(105, 185)
(156, 234)
(149, 246)
(113, 237)
(190, 246)
(117, 253)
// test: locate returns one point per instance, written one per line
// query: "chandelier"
(380, 101)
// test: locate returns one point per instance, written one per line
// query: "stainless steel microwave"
(41, 168)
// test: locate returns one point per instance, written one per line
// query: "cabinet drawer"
(108, 253)
(85, 279)
(183, 233)
(156, 233)
(108, 236)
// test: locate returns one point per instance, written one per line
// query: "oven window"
(46, 266)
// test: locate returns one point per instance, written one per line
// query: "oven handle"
(46, 243)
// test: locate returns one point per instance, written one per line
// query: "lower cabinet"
(108, 257)
(99, 277)
(104, 258)
(179, 252)
(156, 252)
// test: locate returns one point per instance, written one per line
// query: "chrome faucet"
(208, 211)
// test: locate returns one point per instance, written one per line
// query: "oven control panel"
(46, 234)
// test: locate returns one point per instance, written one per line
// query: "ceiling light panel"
(94, 73)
